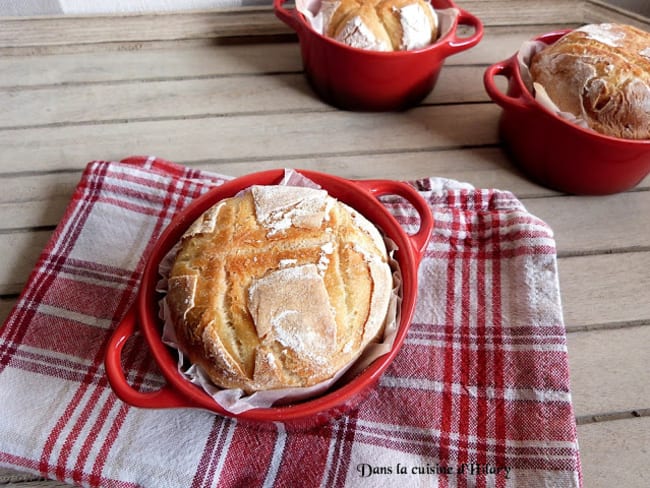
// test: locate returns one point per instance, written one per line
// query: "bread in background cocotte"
(601, 74)
(381, 25)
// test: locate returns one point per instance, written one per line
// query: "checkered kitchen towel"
(478, 396)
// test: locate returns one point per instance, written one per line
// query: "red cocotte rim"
(362, 195)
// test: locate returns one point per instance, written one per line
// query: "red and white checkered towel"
(478, 396)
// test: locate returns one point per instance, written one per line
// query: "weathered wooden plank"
(615, 453)
(8, 476)
(251, 138)
(32, 187)
(33, 201)
(602, 11)
(33, 214)
(620, 357)
(6, 304)
(18, 479)
(42, 199)
(184, 59)
(156, 100)
(579, 222)
(37, 200)
(515, 12)
(482, 167)
(175, 61)
(92, 103)
(244, 21)
(19, 251)
(94, 29)
(605, 290)
(133, 32)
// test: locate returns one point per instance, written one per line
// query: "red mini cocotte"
(359, 79)
(362, 195)
(556, 152)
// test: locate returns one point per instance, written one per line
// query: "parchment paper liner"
(318, 17)
(235, 400)
(524, 56)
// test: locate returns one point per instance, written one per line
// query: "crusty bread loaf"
(278, 287)
(600, 73)
(382, 25)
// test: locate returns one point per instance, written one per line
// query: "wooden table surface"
(225, 91)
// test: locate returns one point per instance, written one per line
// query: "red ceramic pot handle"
(463, 43)
(506, 69)
(166, 397)
(286, 16)
(377, 188)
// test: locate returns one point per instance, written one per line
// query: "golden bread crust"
(383, 25)
(601, 73)
(278, 287)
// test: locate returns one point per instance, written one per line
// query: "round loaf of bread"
(381, 25)
(601, 74)
(278, 287)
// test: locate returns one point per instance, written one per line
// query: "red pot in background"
(556, 152)
(359, 79)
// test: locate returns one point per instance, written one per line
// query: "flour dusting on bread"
(279, 207)
(291, 306)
